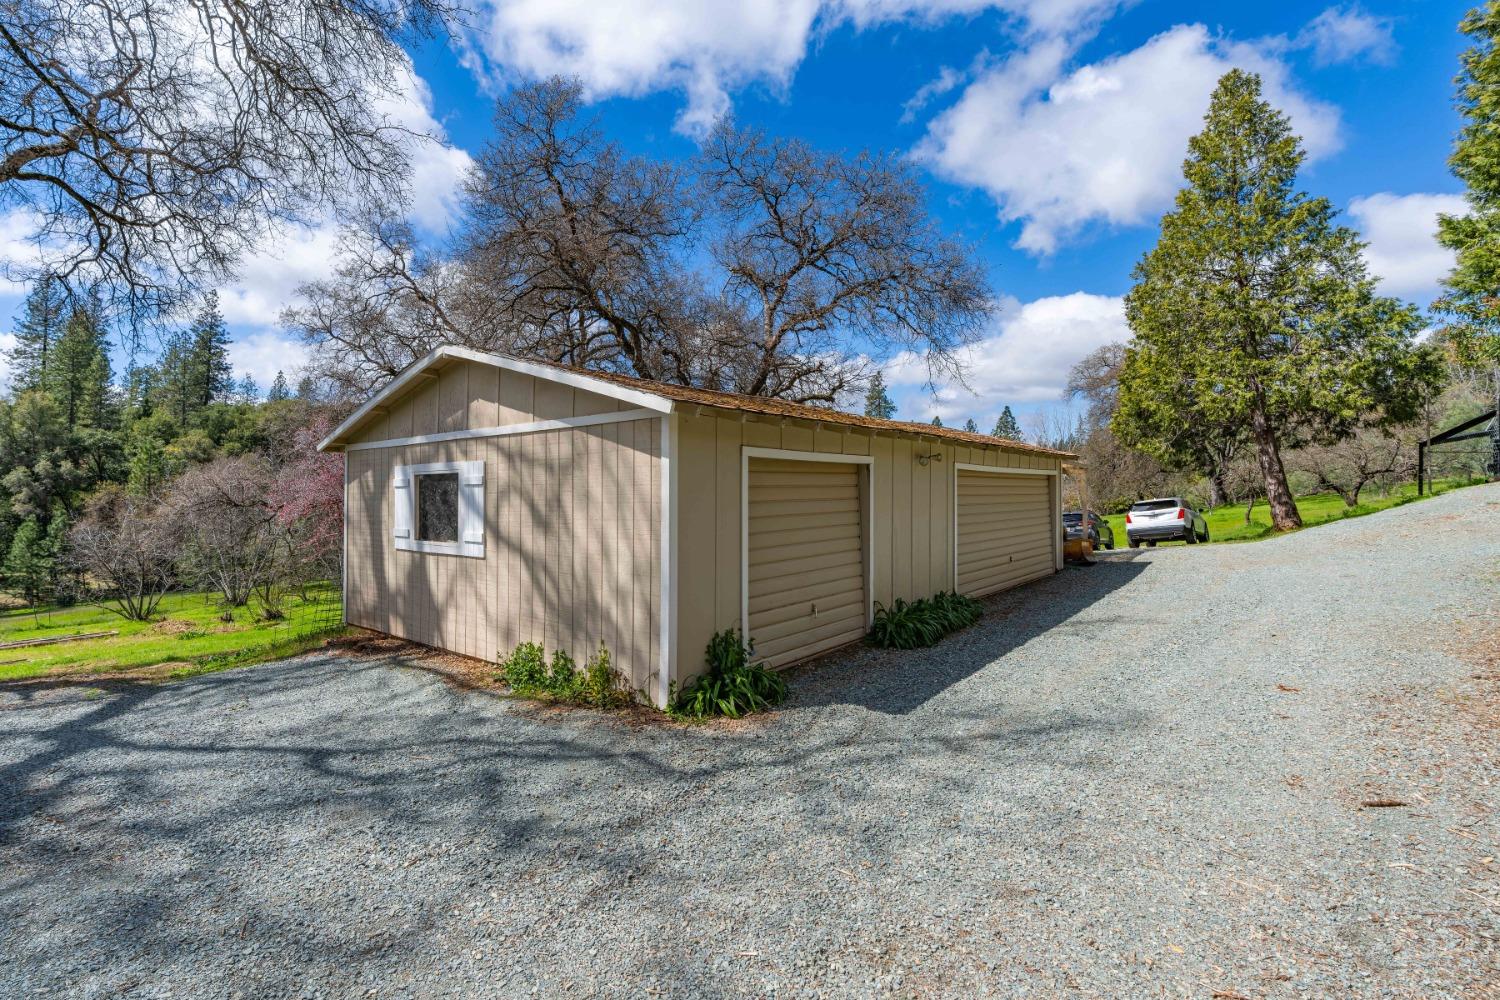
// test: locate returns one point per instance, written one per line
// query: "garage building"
(491, 501)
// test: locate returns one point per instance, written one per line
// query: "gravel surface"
(1142, 778)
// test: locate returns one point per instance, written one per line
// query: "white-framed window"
(439, 508)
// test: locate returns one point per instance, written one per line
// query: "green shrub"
(923, 621)
(732, 686)
(529, 675)
(526, 668)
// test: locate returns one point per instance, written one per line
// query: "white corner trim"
(868, 461)
(470, 474)
(667, 613)
(647, 400)
(535, 427)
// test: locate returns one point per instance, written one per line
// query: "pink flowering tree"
(307, 496)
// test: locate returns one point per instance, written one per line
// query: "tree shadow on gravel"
(898, 682)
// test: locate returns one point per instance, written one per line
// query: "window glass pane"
(437, 507)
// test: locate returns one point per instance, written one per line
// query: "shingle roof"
(802, 411)
(641, 390)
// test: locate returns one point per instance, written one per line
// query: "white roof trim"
(588, 383)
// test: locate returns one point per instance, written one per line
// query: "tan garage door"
(807, 566)
(1005, 531)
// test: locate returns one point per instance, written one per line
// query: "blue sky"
(1050, 133)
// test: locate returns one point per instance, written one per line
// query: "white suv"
(1164, 520)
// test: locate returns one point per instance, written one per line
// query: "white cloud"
(1341, 35)
(706, 48)
(1025, 359)
(7, 345)
(268, 279)
(1403, 249)
(437, 169)
(262, 355)
(1059, 149)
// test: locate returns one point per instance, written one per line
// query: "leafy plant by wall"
(733, 686)
(598, 684)
(924, 621)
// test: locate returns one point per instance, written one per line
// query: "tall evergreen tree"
(307, 389)
(971, 426)
(79, 374)
(1007, 426)
(1472, 300)
(1255, 308)
(878, 402)
(937, 421)
(171, 385)
(28, 564)
(210, 376)
(248, 390)
(44, 316)
(280, 390)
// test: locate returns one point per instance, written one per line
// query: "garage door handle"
(815, 610)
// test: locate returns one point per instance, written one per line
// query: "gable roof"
(665, 398)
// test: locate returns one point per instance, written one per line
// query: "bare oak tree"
(761, 267)
(154, 143)
(822, 252)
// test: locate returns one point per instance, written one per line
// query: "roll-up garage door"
(807, 566)
(1005, 530)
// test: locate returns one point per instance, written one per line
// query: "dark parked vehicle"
(1164, 520)
(1100, 533)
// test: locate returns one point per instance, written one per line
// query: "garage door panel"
(806, 551)
(801, 645)
(796, 567)
(791, 619)
(767, 598)
(1005, 532)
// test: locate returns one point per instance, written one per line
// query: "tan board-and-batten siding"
(912, 527)
(572, 525)
(648, 516)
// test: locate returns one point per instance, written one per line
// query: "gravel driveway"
(1142, 778)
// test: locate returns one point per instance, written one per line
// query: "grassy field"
(188, 632)
(1227, 524)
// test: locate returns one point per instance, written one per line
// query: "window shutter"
(471, 508)
(401, 501)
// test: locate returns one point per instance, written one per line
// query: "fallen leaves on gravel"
(1383, 803)
(1284, 687)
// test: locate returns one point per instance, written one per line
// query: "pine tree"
(171, 386)
(28, 564)
(79, 373)
(937, 421)
(877, 401)
(209, 375)
(1471, 303)
(148, 467)
(307, 389)
(1255, 309)
(41, 326)
(971, 426)
(1007, 426)
(65, 584)
(280, 390)
(248, 391)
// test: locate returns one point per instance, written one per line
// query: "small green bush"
(529, 675)
(923, 621)
(732, 685)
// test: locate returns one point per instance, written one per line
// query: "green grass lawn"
(1227, 524)
(188, 632)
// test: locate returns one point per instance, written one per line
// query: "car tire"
(1205, 534)
(1190, 536)
(1134, 544)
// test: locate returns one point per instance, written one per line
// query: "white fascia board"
(645, 400)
